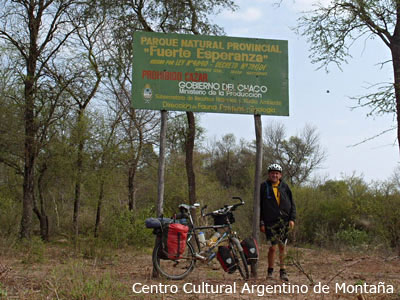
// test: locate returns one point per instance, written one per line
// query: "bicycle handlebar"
(223, 210)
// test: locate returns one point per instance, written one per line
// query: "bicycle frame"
(226, 235)
(168, 267)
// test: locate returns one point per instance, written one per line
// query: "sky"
(339, 127)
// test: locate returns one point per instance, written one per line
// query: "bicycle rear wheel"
(174, 269)
(241, 261)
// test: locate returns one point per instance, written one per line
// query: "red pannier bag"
(174, 240)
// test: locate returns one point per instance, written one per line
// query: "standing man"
(277, 216)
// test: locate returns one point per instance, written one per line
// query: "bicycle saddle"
(188, 207)
(185, 206)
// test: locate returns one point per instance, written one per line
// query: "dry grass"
(62, 273)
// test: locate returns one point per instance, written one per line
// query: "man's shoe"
(270, 271)
(284, 275)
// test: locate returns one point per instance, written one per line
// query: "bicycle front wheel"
(240, 259)
(174, 269)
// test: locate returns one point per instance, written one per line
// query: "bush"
(9, 217)
(385, 216)
(123, 227)
(141, 236)
(352, 236)
(320, 215)
(33, 250)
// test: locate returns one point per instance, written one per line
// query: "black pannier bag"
(174, 240)
(250, 249)
(226, 259)
(223, 219)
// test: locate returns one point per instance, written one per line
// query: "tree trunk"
(42, 215)
(44, 227)
(28, 185)
(30, 127)
(257, 183)
(131, 187)
(161, 173)
(99, 206)
(29, 143)
(189, 157)
(257, 177)
(395, 50)
(161, 164)
(78, 183)
(44, 223)
(132, 173)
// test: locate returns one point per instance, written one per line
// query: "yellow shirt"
(276, 192)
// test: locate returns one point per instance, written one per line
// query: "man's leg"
(282, 256)
(271, 260)
(271, 256)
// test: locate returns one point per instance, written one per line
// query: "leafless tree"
(299, 155)
(332, 29)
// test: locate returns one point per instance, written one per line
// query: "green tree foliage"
(348, 212)
(322, 211)
(8, 215)
(384, 217)
(232, 163)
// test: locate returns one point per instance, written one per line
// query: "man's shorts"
(277, 233)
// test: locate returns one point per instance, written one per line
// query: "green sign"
(210, 74)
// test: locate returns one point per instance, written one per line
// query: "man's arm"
(262, 227)
(292, 216)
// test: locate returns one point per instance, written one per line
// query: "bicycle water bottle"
(214, 238)
(202, 238)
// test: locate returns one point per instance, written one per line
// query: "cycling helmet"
(275, 167)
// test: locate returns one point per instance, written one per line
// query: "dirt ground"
(347, 275)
